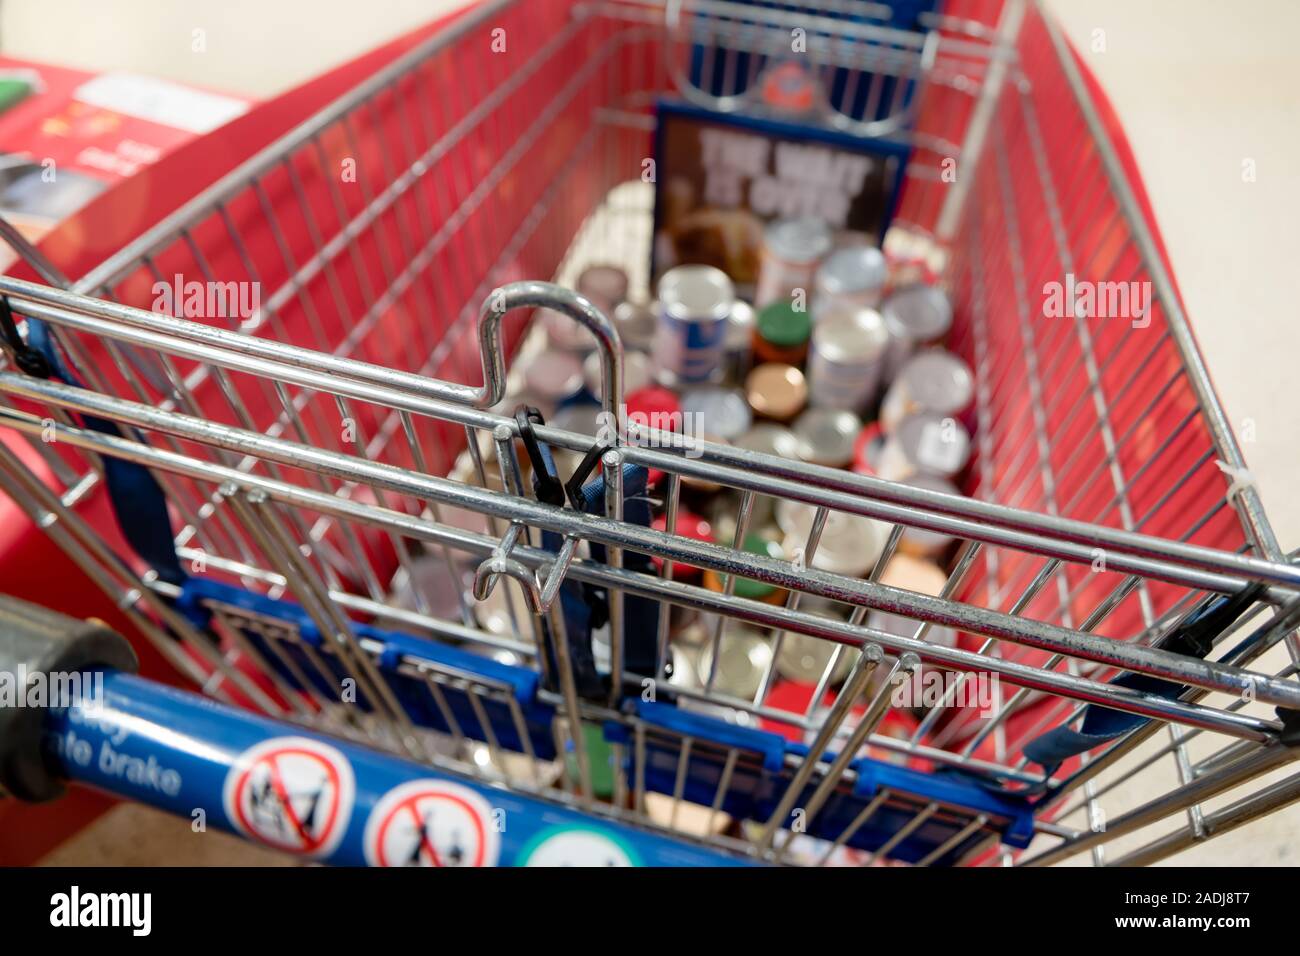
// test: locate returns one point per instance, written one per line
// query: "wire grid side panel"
(1085, 412)
(945, 104)
(380, 235)
(455, 193)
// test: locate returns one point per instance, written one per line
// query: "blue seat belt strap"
(137, 499)
(1193, 638)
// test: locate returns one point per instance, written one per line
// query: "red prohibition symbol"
(431, 823)
(292, 793)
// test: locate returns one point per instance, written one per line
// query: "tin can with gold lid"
(776, 391)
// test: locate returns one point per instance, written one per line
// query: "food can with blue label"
(694, 305)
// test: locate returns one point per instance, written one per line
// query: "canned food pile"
(837, 361)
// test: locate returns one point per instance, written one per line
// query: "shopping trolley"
(332, 517)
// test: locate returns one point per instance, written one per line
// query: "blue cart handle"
(271, 782)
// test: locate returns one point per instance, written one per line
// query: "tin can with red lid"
(688, 525)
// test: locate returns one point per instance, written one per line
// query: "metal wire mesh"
(302, 448)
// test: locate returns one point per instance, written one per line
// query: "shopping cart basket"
(329, 512)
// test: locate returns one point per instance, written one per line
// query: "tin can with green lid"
(781, 334)
(750, 588)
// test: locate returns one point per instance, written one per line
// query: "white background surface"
(1200, 86)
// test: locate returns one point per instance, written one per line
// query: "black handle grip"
(39, 644)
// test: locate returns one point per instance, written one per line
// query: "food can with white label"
(854, 276)
(694, 305)
(924, 443)
(933, 380)
(846, 359)
(792, 251)
(916, 316)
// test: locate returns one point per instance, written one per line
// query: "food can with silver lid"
(744, 656)
(916, 316)
(847, 358)
(605, 286)
(922, 542)
(849, 543)
(769, 438)
(694, 305)
(792, 250)
(636, 323)
(552, 378)
(933, 380)
(854, 276)
(564, 332)
(638, 373)
(827, 436)
(806, 659)
(721, 411)
(924, 443)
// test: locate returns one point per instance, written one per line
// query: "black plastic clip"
(573, 487)
(548, 487)
(1290, 736)
(1197, 634)
(28, 359)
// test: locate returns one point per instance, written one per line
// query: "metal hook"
(548, 295)
(486, 574)
(539, 594)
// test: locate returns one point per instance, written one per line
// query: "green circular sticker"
(578, 846)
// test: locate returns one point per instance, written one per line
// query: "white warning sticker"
(431, 823)
(291, 793)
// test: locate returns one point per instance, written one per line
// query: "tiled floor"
(1202, 88)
